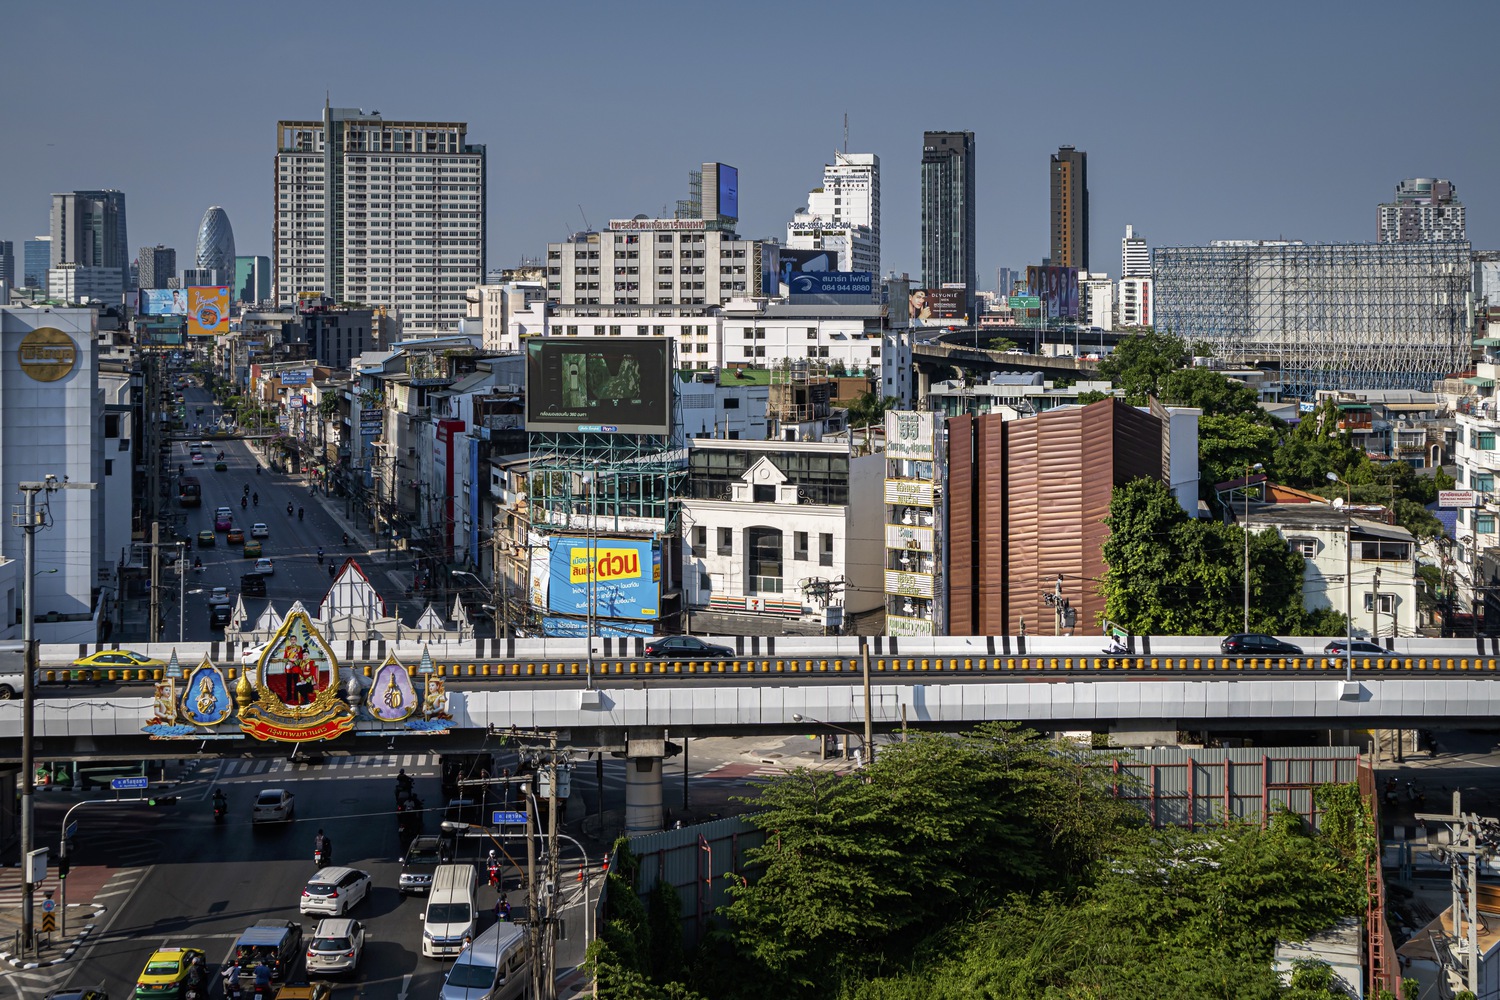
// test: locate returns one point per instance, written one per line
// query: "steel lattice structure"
(638, 476)
(1334, 315)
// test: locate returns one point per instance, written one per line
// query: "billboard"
(909, 435)
(162, 302)
(300, 376)
(792, 260)
(626, 577)
(1057, 287)
(599, 385)
(938, 306)
(208, 310)
(860, 283)
(729, 191)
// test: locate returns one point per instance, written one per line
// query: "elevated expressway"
(630, 702)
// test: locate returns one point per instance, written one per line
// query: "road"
(292, 546)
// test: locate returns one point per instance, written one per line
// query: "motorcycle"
(299, 513)
(244, 503)
(220, 810)
(320, 557)
(255, 499)
(320, 857)
(289, 510)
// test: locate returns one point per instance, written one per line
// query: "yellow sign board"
(47, 354)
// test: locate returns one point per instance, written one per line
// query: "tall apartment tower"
(844, 213)
(36, 258)
(7, 264)
(1426, 210)
(158, 265)
(88, 230)
(948, 211)
(215, 248)
(1070, 208)
(1135, 255)
(385, 213)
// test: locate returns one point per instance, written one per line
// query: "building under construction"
(1332, 315)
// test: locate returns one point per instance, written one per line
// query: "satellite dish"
(1338, 503)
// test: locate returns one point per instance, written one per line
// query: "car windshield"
(448, 913)
(161, 968)
(332, 944)
(471, 975)
(423, 855)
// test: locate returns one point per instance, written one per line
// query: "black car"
(253, 585)
(1256, 644)
(218, 615)
(689, 647)
(421, 860)
(1359, 647)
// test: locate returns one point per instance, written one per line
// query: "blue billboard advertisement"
(861, 283)
(578, 628)
(626, 577)
(729, 191)
(163, 302)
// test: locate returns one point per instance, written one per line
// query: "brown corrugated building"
(1027, 500)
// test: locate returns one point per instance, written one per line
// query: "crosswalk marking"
(245, 767)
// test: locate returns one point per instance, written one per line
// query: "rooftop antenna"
(846, 133)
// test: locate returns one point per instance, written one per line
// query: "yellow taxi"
(169, 971)
(107, 659)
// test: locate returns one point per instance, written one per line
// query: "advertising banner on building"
(624, 575)
(208, 310)
(729, 191)
(908, 435)
(299, 377)
(1057, 287)
(162, 302)
(577, 628)
(371, 422)
(938, 306)
(853, 283)
(599, 385)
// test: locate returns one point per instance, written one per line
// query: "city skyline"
(1255, 140)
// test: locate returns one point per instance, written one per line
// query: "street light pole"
(1348, 575)
(1248, 469)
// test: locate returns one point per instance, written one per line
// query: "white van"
(497, 966)
(449, 916)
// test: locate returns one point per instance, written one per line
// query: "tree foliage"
(868, 408)
(1140, 363)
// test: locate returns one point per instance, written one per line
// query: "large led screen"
(599, 385)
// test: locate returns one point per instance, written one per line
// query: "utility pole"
(864, 669)
(155, 627)
(1471, 839)
(1375, 608)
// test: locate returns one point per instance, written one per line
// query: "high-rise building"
(158, 265)
(1426, 210)
(1070, 208)
(215, 249)
(948, 211)
(1135, 302)
(36, 258)
(1006, 278)
(88, 229)
(844, 213)
(385, 213)
(252, 279)
(1135, 255)
(7, 263)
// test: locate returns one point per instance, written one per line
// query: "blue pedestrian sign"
(140, 781)
(48, 905)
(503, 817)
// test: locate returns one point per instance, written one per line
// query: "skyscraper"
(1426, 210)
(1135, 255)
(88, 229)
(1070, 208)
(158, 265)
(215, 251)
(36, 258)
(252, 279)
(844, 213)
(7, 263)
(385, 213)
(948, 211)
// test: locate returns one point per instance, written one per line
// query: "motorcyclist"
(492, 865)
(289, 508)
(320, 555)
(299, 513)
(247, 487)
(255, 499)
(346, 538)
(403, 780)
(257, 469)
(244, 503)
(324, 846)
(198, 563)
(262, 977)
(221, 803)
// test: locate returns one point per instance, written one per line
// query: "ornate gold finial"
(244, 694)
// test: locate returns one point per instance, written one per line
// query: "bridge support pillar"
(643, 792)
(1161, 733)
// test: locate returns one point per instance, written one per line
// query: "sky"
(1201, 120)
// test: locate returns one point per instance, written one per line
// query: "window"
(1483, 440)
(1484, 524)
(700, 541)
(1305, 547)
(765, 560)
(799, 545)
(1387, 603)
(761, 493)
(1483, 482)
(726, 541)
(825, 549)
(732, 403)
(1389, 551)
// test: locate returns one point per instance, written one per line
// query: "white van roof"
(446, 878)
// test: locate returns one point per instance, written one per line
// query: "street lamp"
(830, 725)
(1348, 510)
(1248, 469)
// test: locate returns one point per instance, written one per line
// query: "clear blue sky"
(1201, 120)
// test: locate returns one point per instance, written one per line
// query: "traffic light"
(62, 866)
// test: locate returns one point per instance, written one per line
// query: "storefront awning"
(1482, 383)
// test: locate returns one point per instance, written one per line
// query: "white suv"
(335, 947)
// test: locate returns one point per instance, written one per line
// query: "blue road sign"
(140, 781)
(71, 830)
(48, 905)
(503, 817)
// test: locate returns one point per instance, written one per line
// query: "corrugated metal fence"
(696, 860)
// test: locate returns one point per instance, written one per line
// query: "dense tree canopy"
(1139, 364)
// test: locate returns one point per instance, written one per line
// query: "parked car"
(689, 646)
(1358, 647)
(169, 971)
(334, 891)
(259, 530)
(335, 947)
(264, 566)
(1256, 644)
(273, 805)
(115, 658)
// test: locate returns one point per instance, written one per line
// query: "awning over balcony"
(1480, 382)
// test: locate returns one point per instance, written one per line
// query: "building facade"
(74, 283)
(382, 213)
(8, 263)
(156, 266)
(653, 268)
(1336, 316)
(914, 515)
(948, 226)
(252, 280)
(88, 229)
(1135, 255)
(1096, 300)
(1069, 175)
(37, 258)
(215, 247)
(846, 208)
(1135, 302)
(1426, 210)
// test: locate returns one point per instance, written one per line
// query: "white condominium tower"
(382, 213)
(1135, 255)
(844, 213)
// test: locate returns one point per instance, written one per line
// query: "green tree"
(1002, 344)
(1140, 363)
(1215, 394)
(1093, 396)
(1317, 447)
(1228, 444)
(867, 408)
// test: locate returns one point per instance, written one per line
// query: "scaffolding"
(1332, 315)
(617, 480)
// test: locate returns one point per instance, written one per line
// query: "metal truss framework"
(1335, 315)
(612, 476)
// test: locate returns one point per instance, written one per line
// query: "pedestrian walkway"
(80, 901)
(376, 765)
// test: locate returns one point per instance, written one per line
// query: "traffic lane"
(221, 878)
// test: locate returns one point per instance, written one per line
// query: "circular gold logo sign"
(47, 354)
